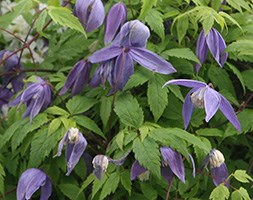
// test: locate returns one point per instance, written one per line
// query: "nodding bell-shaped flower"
(204, 96)
(91, 13)
(78, 77)
(5, 96)
(37, 97)
(218, 167)
(216, 45)
(101, 162)
(30, 181)
(11, 70)
(172, 164)
(128, 47)
(76, 144)
(116, 17)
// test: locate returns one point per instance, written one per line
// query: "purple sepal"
(136, 170)
(30, 181)
(220, 175)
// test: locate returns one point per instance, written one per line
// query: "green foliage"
(71, 191)
(157, 96)
(110, 185)
(242, 176)
(2, 175)
(128, 110)
(40, 22)
(147, 151)
(219, 193)
(247, 77)
(64, 17)
(240, 194)
(146, 7)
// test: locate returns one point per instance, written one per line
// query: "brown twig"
(27, 70)
(169, 188)
(8, 192)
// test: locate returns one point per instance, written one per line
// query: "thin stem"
(26, 70)
(169, 188)
(8, 192)
(245, 103)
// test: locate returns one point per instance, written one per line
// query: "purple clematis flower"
(78, 77)
(204, 96)
(12, 73)
(76, 144)
(91, 13)
(218, 167)
(172, 164)
(5, 96)
(101, 162)
(215, 43)
(116, 17)
(30, 181)
(128, 47)
(37, 97)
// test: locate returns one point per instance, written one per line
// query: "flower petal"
(119, 161)
(105, 54)
(186, 83)
(96, 15)
(151, 61)
(115, 18)
(193, 165)
(46, 189)
(220, 175)
(212, 102)
(188, 108)
(61, 144)
(167, 173)
(137, 170)
(201, 49)
(174, 160)
(229, 113)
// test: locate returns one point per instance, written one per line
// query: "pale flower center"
(216, 158)
(198, 97)
(101, 161)
(73, 135)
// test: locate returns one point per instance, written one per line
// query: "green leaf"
(147, 151)
(126, 181)
(55, 110)
(182, 27)
(71, 191)
(119, 138)
(128, 110)
(184, 53)
(2, 175)
(242, 47)
(40, 22)
(157, 96)
(207, 24)
(155, 21)
(87, 182)
(80, 104)
(88, 123)
(240, 194)
(110, 185)
(54, 125)
(106, 109)
(11, 130)
(64, 17)
(219, 193)
(210, 132)
(146, 7)
(176, 91)
(242, 176)
(230, 18)
(149, 191)
(238, 5)
(247, 77)
(238, 74)
(19, 135)
(42, 144)
(97, 185)
(68, 122)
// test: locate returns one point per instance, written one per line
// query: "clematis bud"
(215, 43)
(76, 144)
(78, 77)
(37, 97)
(30, 181)
(138, 171)
(218, 167)
(115, 19)
(101, 162)
(90, 13)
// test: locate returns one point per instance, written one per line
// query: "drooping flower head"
(204, 96)
(216, 45)
(30, 181)
(11, 71)
(76, 144)
(116, 17)
(172, 164)
(77, 78)
(91, 13)
(37, 97)
(128, 47)
(218, 167)
(101, 162)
